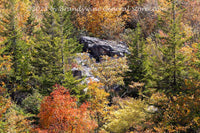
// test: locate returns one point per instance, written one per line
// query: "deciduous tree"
(59, 112)
(109, 71)
(99, 102)
(131, 112)
(104, 18)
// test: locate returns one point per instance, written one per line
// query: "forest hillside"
(99, 66)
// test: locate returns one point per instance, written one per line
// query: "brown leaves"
(178, 113)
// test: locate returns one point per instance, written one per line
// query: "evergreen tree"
(15, 47)
(170, 68)
(54, 47)
(75, 86)
(46, 63)
(30, 25)
(137, 57)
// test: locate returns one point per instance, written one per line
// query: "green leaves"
(137, 60)
(172, 68)
(53, 49)
(76, 88)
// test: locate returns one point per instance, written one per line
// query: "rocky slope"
(95, 48)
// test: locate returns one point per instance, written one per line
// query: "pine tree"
(137, 57)
(30, 25)
(46, 63)
(138, 61)
(171, 70)
(54, 47)
(75, 86)
(15, 47)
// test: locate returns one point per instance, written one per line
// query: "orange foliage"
(5, 103)
(19, 10)
(5, 67)
(180, 113)
(59, 112)
(103, 19)
(23, 12)
(191, 54)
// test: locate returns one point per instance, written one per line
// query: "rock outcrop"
(97, 47)
(84, 70)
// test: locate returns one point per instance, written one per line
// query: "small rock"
(152, 109)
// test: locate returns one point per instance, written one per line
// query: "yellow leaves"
(191, 83)
(4, 102)
(11, 119)
(130, 113)
(187, 30)
(20, 9)
(99, 102)
(98, 96)
(158, 98)
(159, 130)
(187, 50)
(179, 111)
(23, 12)
(109, 71)
(194, 45)
(163, 5)
(197, 120)
(5, 64)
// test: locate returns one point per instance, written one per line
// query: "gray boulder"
(98, 47)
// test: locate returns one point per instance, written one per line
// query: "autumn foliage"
(5, 103)
(59, 112)
(104, 18)
(179, 114)
(99, 101)
(11, 119)
(154, 88)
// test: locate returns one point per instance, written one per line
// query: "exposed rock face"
(97, 47)
(84, 70)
